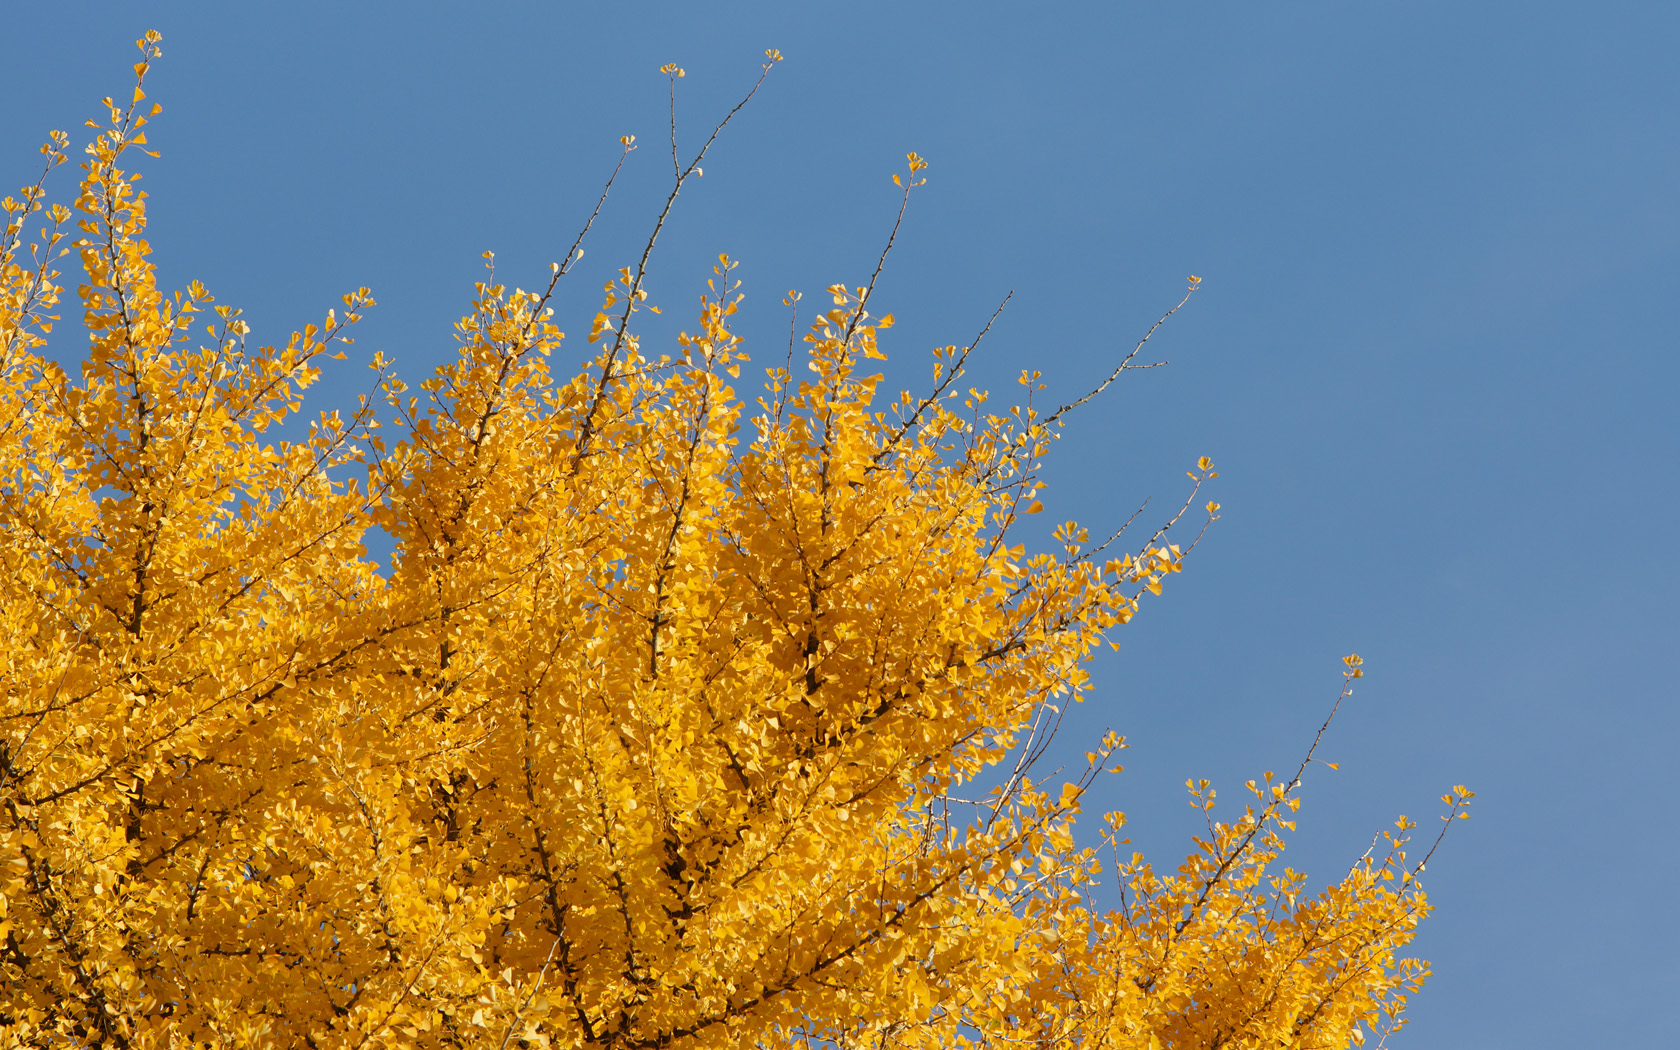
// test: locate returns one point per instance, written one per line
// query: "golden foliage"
(652, 734)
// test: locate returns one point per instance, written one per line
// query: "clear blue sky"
(1433, 356)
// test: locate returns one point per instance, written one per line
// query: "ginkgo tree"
(677, 717)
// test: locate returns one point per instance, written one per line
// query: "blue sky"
(1433, 355)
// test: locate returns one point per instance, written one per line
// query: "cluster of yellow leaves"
(655, 732)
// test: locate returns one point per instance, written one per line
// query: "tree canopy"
(676, 717)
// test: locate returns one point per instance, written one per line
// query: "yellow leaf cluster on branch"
(676, 720)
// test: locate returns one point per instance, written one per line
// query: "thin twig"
(1126, 363)
(955, 370)
(573, 254)
(1278, 799)
(535, 988)
(881, 263)
(586, 429)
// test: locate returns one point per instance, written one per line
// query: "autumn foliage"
(677, 718)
